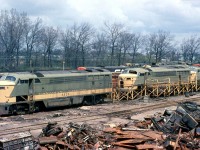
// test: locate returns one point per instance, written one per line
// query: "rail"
(120, 113)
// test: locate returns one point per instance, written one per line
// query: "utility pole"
(31, 65)
(63, 65)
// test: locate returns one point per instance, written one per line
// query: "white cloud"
(176, 16)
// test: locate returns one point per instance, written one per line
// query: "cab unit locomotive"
(29, 92)
(134, 78)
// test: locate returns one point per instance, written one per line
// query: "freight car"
(134, 78)
(28, 92)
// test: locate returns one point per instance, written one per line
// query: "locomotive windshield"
(8, 78)
(124, 71)
(132, 72)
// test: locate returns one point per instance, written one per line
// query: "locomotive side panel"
(136, 77)
(170, 75)
(21, 88)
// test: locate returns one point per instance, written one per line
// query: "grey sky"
(177, 16)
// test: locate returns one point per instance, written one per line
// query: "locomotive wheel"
(39, 106)
(89, 100)
(13, 109)
(99, 99)
(19, 109)
(31, 107)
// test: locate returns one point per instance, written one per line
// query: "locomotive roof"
(167, 68)
(67, 73)
(28, 75)
(159, 69)
(24, 75)
(141, 70)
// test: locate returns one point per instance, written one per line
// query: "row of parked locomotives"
(25, 92)
(156, 81)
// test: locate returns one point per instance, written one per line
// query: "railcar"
(28, 92)
(134, 78)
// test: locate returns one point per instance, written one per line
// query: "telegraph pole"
(63, 65)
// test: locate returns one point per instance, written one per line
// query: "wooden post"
(177, 139)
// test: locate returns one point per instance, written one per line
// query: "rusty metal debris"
(178, 130)
(75, 137)
(51, 129)
(23, 140)
(186, 118)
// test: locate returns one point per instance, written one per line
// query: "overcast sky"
(180, 17)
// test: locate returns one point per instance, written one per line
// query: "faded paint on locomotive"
(196, 72)
(134, 78)
(51, 88)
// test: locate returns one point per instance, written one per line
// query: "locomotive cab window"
(37, 81)
(141, 74)
(10, 78)
(23, 81)
(124, 71)
(132, 72)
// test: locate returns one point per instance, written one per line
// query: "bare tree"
(124, 44)
(86, 32)
(149, 46)
(190, 47)
(175, 54)
(136, 44)
(66, 43)
(158, 44)
(32, 37)
(49, 40)
(75, 43)
(11, 32)
(113, 32)
(80, 38)
(100, 48)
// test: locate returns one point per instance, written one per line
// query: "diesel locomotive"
(24, 92)
(134, 78)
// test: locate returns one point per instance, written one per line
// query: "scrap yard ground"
(83, 111)
(97, 116)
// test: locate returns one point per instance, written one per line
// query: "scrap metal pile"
(179, 129)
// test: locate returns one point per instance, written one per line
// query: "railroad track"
(95, 117)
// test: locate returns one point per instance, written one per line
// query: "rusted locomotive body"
(29, 92)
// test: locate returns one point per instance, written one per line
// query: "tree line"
(26, 42)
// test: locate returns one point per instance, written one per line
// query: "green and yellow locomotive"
(134, 78)
(28, 92)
